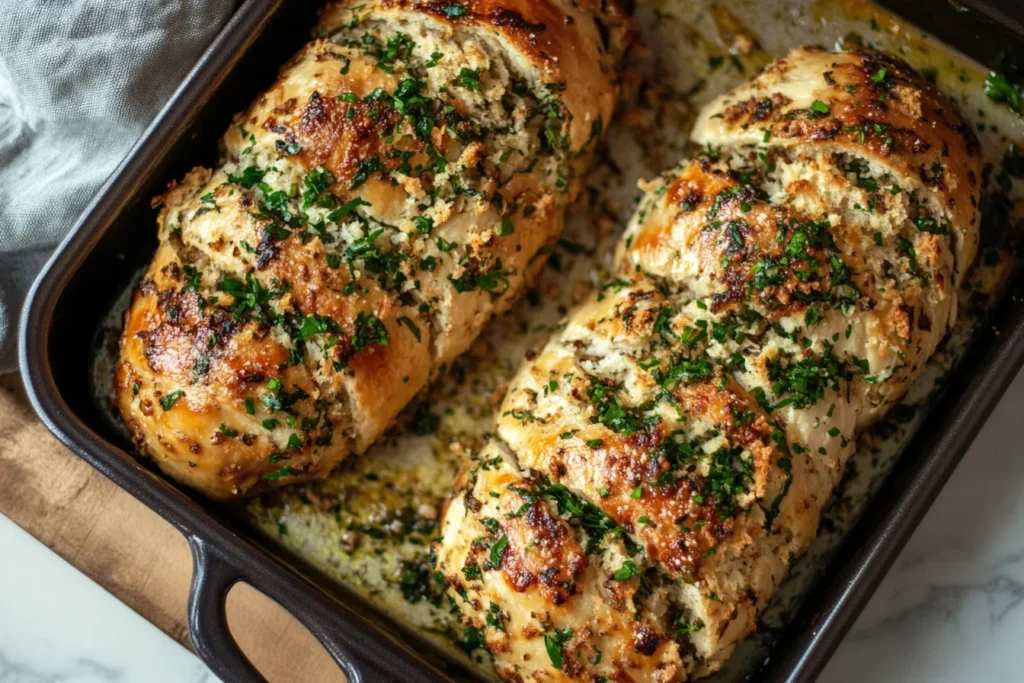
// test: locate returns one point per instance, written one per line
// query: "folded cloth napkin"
(79, 81)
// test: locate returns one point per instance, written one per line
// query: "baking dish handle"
(212, 578)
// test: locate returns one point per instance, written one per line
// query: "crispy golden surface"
(868, 104)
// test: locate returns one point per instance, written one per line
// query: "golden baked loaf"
(399, 184)
(658, 465)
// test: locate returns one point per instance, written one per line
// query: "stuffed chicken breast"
(398, 185)
(659, 464)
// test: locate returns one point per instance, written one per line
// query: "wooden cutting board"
(128, 549)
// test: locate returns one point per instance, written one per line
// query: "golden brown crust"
(737, 232)
(869, 104)
(184, 374)
(548, 611)
(575, 45)
(643, 473)
(776, 245)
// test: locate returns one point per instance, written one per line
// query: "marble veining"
(952, 607)
(58, 626)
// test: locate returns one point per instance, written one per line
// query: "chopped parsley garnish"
(488, 282)
(363, 171)
(627, 571)
(929, 224)
(313, 325)
(999, 89)
(399, 47)
(688, 371)
(729, 476)
(249, 178)
(470, 79)
(369, 330)
(912, 266)
(425, 422)
(386, 264)
(424, 224)
(867, 183)
(610, 412)
(251, 298)
(594, 521)
(314, 189)
(497, 549)
(193, 278)
(418, 582)
(472, 639)
(553, 644)
(277, 474)
(615, 286)
(803, 382)
(346, 208)
(684, 627)
(168, 401)
(819, 108)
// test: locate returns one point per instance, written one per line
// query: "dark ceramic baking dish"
(114, 238)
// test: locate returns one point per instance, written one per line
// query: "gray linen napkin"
(79, 81)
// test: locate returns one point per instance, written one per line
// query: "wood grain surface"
(128, 549)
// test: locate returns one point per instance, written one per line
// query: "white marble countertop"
(948, 612)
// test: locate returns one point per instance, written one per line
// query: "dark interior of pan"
(115, 237)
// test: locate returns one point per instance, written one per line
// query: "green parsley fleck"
(999, 89)
(820, 108)
(277, 474)
(470, 79)
(497, 549)
(627, 571)
(168, 401)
